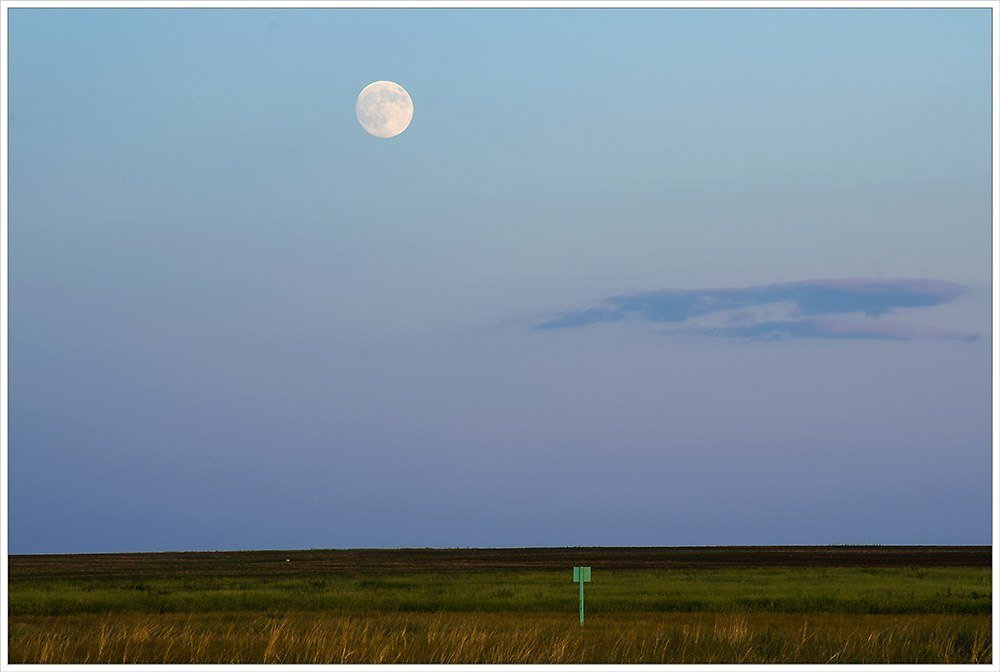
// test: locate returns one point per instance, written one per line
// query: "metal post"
(581, 574)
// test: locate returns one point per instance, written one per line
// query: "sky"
(630, 277)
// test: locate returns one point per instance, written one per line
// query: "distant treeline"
(246, 563)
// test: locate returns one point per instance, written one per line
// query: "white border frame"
(993, 5)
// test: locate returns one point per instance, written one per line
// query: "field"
(645, 605)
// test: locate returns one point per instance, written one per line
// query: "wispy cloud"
(837, 308)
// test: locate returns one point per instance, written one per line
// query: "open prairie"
(758, 604)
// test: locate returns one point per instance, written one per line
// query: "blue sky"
(238, 321)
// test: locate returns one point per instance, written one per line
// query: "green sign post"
(581, 575)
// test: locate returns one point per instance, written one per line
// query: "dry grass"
(770, 605)
(445, 637)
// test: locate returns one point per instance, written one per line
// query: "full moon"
(384, 109)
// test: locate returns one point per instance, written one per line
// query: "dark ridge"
(367, 561)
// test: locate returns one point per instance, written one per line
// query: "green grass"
(505, 606)
(828, 590)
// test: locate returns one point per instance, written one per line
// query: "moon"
(384, 109)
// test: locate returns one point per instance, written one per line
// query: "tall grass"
(499, 638)
(747, 615)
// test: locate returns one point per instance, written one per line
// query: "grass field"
(644, 605)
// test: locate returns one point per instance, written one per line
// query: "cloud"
(838, 308)
(834, 328)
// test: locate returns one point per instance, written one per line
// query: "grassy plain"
(644, 605)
